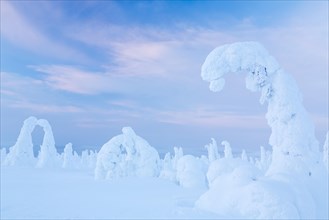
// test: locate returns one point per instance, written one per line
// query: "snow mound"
(248, 199)
(127, 154)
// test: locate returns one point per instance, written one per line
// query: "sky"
(93, 67)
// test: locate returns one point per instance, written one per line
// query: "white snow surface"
(30, 193)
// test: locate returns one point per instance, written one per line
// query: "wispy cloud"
(17, 28)
(74, 79)
(26, 93)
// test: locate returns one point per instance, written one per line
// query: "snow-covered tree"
(191, 172)
(244, 156)
(127, 154)
(296, 185)
(227, 149)
(265, 159)
(68, 160)
(212, 149)
(48, 156)
(168, 171)
(21, 153)
(294, 144)
(178, 153)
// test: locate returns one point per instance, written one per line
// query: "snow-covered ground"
(127, 178)
(31, 193)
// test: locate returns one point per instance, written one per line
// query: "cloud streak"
(75, 80)
(17, 29)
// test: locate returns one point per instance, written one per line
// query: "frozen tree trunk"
(295, 148)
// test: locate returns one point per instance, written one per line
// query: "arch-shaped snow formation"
(294, 144)
(125, 155)
(22, 152)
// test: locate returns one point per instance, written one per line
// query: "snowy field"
(127, 178)
(67, 194)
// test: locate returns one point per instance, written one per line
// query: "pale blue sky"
(92, 67)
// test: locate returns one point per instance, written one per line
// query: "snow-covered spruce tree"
(68, 158)
(227, 150)
(212, 149)
(21, 153)
(244, 156)
(295, 147)
(191, 172)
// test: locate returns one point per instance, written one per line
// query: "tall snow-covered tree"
(295, 147)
